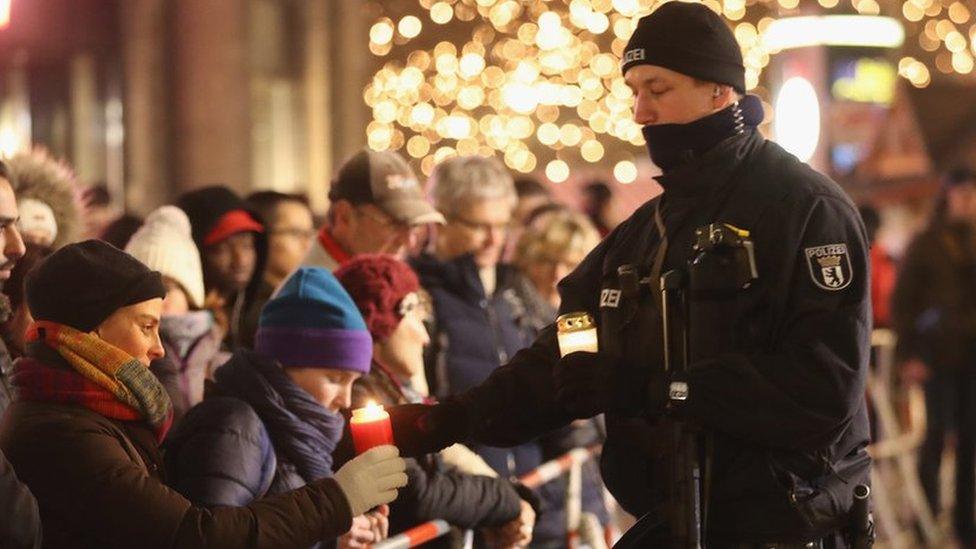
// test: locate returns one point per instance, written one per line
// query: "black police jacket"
(778, 378)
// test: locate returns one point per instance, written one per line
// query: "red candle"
(370, 427)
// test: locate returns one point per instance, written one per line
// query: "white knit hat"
(37, 217)
(164, 244)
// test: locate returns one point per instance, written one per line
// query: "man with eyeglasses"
(479, 321)
(377, 206)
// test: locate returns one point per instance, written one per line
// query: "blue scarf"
(302, 430)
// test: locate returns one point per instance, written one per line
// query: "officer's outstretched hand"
(585, 383)
(420, 429)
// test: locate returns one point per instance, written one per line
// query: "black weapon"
(862, 526)
(686, 497)
(723, 264)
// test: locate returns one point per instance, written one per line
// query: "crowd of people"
(185, 379)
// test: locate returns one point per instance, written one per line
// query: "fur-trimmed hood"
(38, 175)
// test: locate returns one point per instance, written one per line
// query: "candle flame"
(370, 412)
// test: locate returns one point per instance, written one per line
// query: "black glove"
(420, 429)
(585, 383)
(588, 384)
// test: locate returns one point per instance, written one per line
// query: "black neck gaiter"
(671, 145)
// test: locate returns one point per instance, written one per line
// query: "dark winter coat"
(252, 316)
(777, 376)
(99, 483)
(20, 527)
(435, 490)
(934, 303)
(471, 336)
(580, 434)
(193, 352)
(255, 433)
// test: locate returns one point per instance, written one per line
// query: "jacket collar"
(459, 275)
(332, 247)
(713, 170)
(300, 428)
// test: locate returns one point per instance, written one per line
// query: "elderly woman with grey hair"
(478, 321)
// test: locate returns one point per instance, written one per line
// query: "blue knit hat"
(311, 322)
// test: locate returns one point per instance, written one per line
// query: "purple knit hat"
(311, 322)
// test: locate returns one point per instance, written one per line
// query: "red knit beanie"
(377, 283)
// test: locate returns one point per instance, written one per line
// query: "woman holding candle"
(83, 430)
(449, 487)
(271, 420)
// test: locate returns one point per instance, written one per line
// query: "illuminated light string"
(538, 83)
(5, 13)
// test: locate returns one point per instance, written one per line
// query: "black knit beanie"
(690, 39)
(82, 284)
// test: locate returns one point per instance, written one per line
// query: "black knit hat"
(690, 39)
(82, 284)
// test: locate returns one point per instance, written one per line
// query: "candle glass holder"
(576, 331)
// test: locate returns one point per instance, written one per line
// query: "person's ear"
(722, 96)
(342, 212)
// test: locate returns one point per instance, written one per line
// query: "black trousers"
(950, 403)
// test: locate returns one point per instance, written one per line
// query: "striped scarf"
(103, 378)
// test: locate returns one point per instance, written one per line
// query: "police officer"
(777, 375)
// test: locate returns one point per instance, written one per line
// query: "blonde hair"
(554, 234)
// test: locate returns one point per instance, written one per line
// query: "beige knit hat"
(164, 244)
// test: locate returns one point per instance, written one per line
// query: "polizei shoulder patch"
(830, 266)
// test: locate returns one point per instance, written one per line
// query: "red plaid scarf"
(35, 381)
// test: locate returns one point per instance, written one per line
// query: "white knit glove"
(372, 478)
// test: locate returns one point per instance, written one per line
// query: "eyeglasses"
(383, 219)
(301, 234)
(481, 228)
(418, 302)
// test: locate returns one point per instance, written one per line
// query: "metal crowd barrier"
(901, 510)
(415, 536)
(582, 528)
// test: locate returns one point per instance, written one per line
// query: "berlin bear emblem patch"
(830, 266)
